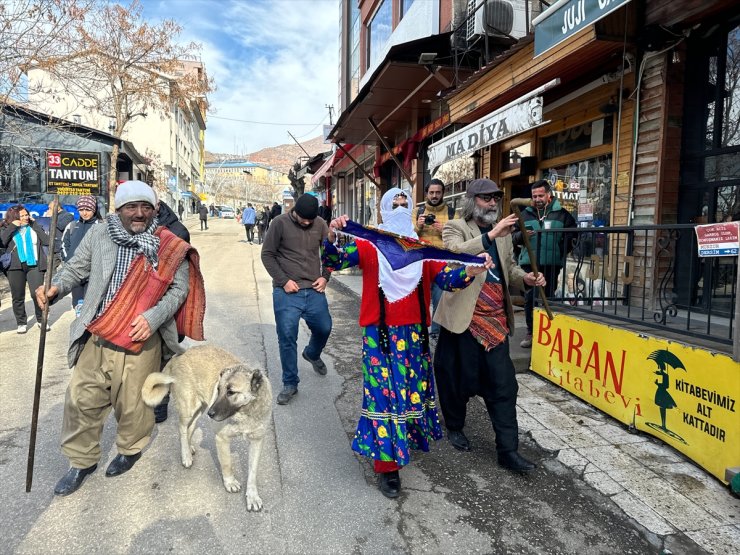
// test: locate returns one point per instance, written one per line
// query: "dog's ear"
(256, 381)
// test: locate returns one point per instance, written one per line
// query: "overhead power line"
(266, 122)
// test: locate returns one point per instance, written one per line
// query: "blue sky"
(274, 61)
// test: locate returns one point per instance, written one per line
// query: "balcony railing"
(651, 276)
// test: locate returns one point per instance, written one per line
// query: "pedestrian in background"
(249, 217)
(547, 213)
(276, 210)
(87, 206)
(429, 220)
(263, 217)
(291, 255)
(472, 355)
(399, 411)
(203, 213)
(180, 208)
(64, 218)
(23, 237)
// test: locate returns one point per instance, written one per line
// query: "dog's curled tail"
(155, 388)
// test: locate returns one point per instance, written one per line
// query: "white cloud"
(273, 61)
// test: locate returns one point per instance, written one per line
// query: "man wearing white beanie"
(110, 365)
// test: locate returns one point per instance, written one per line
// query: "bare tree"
(33, 34)
(126, 67)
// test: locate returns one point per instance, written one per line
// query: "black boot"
(121, 464)
(390, 484)
(72, 480)
(160, 411)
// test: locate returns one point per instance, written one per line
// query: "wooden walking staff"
(42, 347)
(515, 204)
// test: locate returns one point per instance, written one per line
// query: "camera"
(429, 219)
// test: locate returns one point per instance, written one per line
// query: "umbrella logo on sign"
(664, 360)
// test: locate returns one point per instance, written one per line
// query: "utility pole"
(330, 107)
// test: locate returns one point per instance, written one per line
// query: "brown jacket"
(455, 310)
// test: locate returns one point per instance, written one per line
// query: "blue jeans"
(436, 296)
(289, 309)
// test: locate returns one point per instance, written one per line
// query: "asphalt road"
(318, 496)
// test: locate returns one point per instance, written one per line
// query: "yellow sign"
(684, 396)
(203, 196)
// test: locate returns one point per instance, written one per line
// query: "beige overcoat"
(455, 310)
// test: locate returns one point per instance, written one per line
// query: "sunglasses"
(487, 197)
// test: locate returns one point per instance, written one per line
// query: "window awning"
(328, 165)
(397, 90)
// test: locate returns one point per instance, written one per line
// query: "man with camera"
(429, 219)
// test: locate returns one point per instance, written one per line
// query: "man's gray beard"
(435, 202)
(487, 216)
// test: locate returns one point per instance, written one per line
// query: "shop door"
(514, 187)
(710, 171)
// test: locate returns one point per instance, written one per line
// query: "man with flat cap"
(118, 338)
(472, 356)
(291, 254)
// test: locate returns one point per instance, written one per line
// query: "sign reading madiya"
(72, 173)
(685, 397)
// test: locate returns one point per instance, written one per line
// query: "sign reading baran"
(501, 124)
(72, 173)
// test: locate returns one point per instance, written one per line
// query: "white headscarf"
(398, 220)
(397, 284)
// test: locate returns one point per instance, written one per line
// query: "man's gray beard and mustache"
(435, 202)
(487, 216)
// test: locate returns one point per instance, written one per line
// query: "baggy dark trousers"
(463, 369)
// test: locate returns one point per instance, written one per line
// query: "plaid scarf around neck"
(129, 246)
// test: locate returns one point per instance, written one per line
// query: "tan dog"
(212, 379)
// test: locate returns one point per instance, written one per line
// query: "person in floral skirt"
(399, 410)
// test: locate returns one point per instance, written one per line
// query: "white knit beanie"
(134, 191)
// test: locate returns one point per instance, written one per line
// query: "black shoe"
(121, 464)
(318, 365)
(390, 484)
(72, 480)
(458, 440)
(515, 462)
(160, 411)
(286, 394)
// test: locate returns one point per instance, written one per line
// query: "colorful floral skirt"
(399, 410)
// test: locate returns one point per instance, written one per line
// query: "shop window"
(723, 167)
(512, 159)
(379, 31)
(30, 166)
(722, 116)
(584, 189)
(588, 135)
(6, 170)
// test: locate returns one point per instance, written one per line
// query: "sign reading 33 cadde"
(72, 173)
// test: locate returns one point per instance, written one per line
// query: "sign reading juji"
(72, 173)
(686, 397)
(564, 20)
(721, 239)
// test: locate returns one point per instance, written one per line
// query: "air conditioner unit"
(501, 18)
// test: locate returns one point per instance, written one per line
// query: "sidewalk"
(659, 488)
